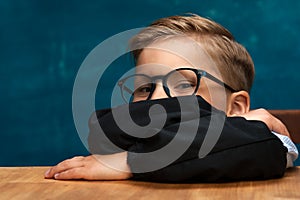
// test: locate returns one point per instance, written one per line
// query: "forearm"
(258, 160)
(247, 151)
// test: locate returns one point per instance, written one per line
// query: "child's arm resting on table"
(90, 168)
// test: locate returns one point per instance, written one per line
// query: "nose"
(159, 92)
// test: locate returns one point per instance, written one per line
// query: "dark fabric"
(245, 150)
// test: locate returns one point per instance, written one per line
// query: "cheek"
(215, 95)
(204, 92)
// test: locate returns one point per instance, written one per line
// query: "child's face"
(154, 61)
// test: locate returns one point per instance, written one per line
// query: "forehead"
(176, 52)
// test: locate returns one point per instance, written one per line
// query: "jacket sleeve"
(242, 150)
(246, 150)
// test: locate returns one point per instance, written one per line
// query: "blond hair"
(231, 58)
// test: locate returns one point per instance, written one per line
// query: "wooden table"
(28, 183)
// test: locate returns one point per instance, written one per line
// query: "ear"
(238, 103)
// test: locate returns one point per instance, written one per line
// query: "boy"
(182, 45)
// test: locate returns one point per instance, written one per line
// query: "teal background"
(43, 44)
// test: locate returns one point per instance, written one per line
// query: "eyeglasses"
(179, 82)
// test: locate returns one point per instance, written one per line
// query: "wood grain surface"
(29, 183)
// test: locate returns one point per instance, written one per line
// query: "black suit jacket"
(204, 144)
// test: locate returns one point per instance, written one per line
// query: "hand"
(272, 122)
(93, 167)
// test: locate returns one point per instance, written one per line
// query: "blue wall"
(43, 44)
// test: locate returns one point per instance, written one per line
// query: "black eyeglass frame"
(199, 74)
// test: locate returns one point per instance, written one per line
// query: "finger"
(74, 173)
(63, 166)
(279, 127)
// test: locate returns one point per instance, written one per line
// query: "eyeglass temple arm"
(121, 85)
(127, 90)
(211, 77)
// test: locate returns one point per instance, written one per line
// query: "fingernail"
(47, 173)
(56, 175)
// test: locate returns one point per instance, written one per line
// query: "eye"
(184, 85)
(143, 90)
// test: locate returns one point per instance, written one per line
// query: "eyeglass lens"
(179, 82)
